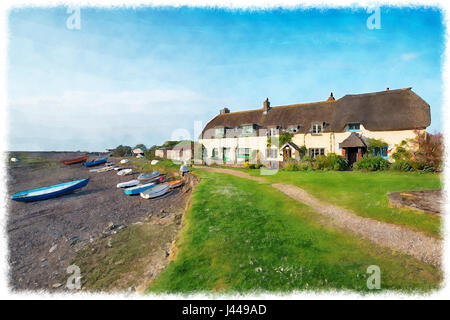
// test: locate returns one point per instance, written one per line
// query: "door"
(226, 154)
(352, 154)
(286, 153)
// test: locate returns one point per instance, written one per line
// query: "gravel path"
(418, 245)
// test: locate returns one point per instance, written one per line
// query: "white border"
(5, 6)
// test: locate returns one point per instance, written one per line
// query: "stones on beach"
(53, 248)
(56, 285)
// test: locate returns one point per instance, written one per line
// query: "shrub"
(371, 163)
(331, 161)
(402, 165)
(292, 166)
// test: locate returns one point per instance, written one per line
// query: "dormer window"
(316, 128)
(352, 127)
(247, 130)
(292, 129)
(219, 132)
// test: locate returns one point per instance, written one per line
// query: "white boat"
(105, 169)
(154, 162)
(124, 172)
(157, 191)
(123, 161)
(117, 168)
(128, 184)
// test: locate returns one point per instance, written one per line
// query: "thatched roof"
(353, 140)
(399, 109)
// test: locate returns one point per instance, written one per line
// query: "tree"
(428, 148)
(122, 151)
(141, 146)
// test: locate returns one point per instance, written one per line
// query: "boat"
(128, 184)
(154, 162)
(117, 168)
(105, 169)
(146, 176)
(75, 160)
(139, 188)
(124, 172)
(124, 161)
(175, 184)
(95, 162)
(157, 191)
(49, 192)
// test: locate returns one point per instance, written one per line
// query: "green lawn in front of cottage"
(365, 193)
(244, 236)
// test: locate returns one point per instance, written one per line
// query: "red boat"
(76, 160)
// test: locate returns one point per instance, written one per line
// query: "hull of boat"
(49, 192)
(156, 192)
(175, 184)
(124, 172)
(143, 176)
(138, 189)
(76, 160)
(128, 184)
(96, 162)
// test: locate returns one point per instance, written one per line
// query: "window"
(219, 132)
(292, 129)
(215, 153)
(353, 127)
(243, 153)
(273, 131)
(272, 153)
(316, 128)
(247, 130)
(381, 151)
(316, 152)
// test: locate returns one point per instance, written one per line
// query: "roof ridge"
(379, 92)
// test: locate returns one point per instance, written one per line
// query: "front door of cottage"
(287, 154)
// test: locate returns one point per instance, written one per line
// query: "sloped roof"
(399, 109)
(291, 144)
(353, 140)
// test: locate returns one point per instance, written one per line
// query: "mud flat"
(44, 236)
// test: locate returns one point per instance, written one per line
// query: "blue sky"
(145, 75)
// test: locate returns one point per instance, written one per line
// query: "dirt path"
(420, 246)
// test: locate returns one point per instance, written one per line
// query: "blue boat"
(49, 192)
(139, 188)
(146, 176)
(95, 162)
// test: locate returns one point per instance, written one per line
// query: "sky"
(147, 75)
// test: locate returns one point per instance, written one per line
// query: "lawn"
(241, 236)
(365, 193)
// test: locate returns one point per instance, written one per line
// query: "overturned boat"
(49, 192)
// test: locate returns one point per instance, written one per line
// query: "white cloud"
(409, 56)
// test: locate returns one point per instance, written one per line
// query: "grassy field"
(240, 235)
(365, 193)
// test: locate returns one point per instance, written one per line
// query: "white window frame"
(315, 152)
(316, 128)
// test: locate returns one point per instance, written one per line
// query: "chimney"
(387, 89)
(331, 98)
(266, 105)
(224, 110)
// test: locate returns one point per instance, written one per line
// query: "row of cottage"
(341, 126)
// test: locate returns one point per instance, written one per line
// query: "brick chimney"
(266, 105)
(331, 98)
(224, 110)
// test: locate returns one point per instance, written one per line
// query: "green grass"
(365, 193)
(166, 166)
(240, 235)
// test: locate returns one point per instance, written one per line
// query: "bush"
(291, 166)
(331, 161)
(371, 163)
